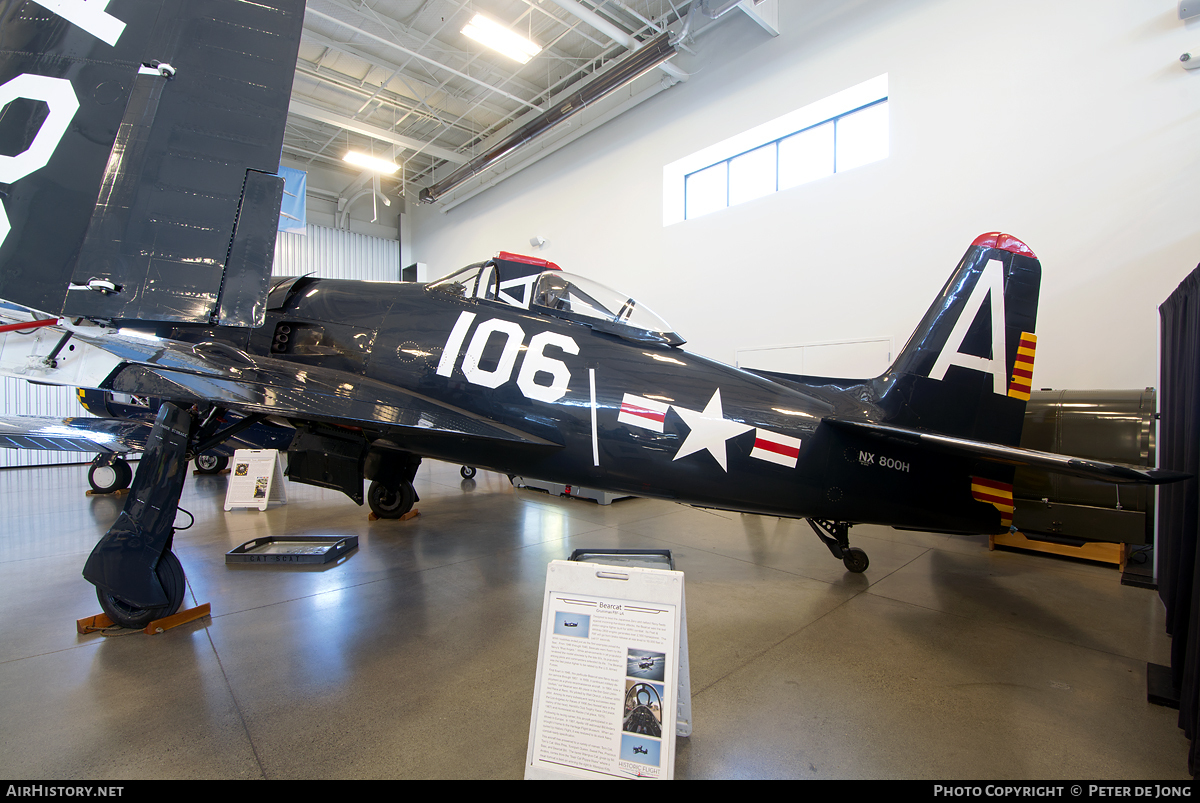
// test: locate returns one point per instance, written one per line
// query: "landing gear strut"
(836, 536)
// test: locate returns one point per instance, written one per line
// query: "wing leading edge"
(223, 375)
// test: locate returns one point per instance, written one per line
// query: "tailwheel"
(391, 504)
(109, 475)
(855, 560)
(126, 614)
(836, 536)
(467, 472)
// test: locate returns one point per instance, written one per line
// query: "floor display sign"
(256, 479)
(608, 682)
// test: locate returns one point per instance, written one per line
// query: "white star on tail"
(708, 430)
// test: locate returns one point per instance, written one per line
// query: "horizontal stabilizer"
(1013, 455)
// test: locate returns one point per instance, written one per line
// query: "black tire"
(855, 560)
(388, 504)
(211, 464)
(170, 574)
(107, 478)
(467, 472)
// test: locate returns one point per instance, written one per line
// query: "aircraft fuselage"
(646, 419)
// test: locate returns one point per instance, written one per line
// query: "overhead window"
(838, 133)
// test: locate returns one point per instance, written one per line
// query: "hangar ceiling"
(398, 79)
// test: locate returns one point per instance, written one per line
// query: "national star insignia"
(709, 429)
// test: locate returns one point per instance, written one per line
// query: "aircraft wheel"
(211, 463)
(106, 478)
(388, 504)
(855, 560)
(170, 574)
(467, 472)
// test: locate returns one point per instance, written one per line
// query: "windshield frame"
(583, 300)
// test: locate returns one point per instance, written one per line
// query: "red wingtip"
(1004, 242)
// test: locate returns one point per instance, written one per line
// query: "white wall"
(1068, 124)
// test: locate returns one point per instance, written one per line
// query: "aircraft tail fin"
(967, 370)
(137, 147)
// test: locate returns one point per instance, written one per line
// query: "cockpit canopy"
(563, 295)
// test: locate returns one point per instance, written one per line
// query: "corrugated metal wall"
(328, 253)
(337, 254)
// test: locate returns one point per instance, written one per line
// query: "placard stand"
(613, 643)
(256, 479)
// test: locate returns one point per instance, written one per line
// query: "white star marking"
(709, 430)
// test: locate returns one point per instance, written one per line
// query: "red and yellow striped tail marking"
(998, 494)
(1022, 378)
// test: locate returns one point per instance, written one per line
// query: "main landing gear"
(210, 463)
(109, 473)
(836, 536)
(391, 504)
(126, 614)
(137, 577)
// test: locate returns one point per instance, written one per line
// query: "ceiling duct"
(615, 33)
(649, 56)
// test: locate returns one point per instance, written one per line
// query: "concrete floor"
(415, 657)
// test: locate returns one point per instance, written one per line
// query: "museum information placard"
(256, 479)
(608, 669)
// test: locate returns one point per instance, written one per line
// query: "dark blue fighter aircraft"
(138, 215)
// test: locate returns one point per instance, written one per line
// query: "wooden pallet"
(1102, 551)
(100, 621)
(409, 515)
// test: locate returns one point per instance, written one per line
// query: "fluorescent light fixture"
(370, 162)
(502, 40)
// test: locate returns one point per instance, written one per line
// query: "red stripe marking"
(1002, 500)
(642, 412)
(777, 448)
(1023, 372)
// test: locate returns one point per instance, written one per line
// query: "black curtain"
(1178, 509)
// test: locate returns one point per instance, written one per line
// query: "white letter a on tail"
(990, 284)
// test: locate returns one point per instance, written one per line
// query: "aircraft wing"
(93, 435)
(220, 374)
(1012, 455)
(118, 435)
